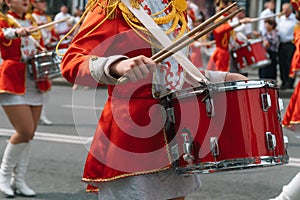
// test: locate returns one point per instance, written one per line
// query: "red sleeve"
(113, 37)
(224, 28)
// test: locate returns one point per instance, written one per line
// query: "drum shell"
(44, 66)
(251, 55)
(239, 123)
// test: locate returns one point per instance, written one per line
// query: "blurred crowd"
(268, 49)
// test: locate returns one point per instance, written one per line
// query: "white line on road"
(52, 137)
(82, 107)
(295, 162)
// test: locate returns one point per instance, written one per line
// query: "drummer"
(20, 96)
(40, 16)
(220, 58)
(49, 38)
(129, 156)
(291, 119)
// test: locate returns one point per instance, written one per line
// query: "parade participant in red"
(20, 95)
(292, 116)
(295, 64)
(197, 17)
(221, 57)
(40, 16)
(50, 40)
(291, 120)
(129, 157)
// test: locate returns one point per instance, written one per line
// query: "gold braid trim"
(37, 35)
(10, 23)
(175, 16)
(140, 172)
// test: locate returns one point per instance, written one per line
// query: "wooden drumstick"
(197, 36)
(187, 42)
(195, 30)
(48, 24)
(265, 17)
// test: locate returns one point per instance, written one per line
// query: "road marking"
(52, 137)
(82, 107)
(295, 162)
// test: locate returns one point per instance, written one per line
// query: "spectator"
(271, 44)
(286, 25)
(269, 10)
(64, 27)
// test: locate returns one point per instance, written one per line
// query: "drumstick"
(48, 24)
(196, 36)
(161, 57)
(30, 36)
(265, 17)
(195, 30)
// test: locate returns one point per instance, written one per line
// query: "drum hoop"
(226, 86)
(249, 42)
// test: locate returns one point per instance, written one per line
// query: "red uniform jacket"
(295, 64)
(13, 69)
(220, 58)
(292, 114)
(129, 139)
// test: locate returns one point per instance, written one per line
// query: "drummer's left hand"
(245, 20)
(235, 77)
(22, 31)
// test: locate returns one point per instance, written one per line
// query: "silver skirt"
(162, 185)
(33, 96)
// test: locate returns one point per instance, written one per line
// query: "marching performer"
(49, 37)
(220, 58)
(129, 157)
(291, 118)
(40, 16)
(20, 96)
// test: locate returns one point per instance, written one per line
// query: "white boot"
(17, 181)
(9, 160)
(43, 119)
(290, 191)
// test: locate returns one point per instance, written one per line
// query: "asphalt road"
(58, 154)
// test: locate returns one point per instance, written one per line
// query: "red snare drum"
(235, 125)
(252, 54)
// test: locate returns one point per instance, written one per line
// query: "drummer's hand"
(245, 20)
(235, 77)
(23, 31)
(134, 69)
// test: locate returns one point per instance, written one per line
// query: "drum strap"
(165, 41)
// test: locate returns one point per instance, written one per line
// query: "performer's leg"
(291, 191)
(10, 157)
(18, 178)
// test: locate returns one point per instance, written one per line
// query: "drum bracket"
(271, 141)
(266, 101)
(214, 146)
(209, 105)
(187, 146)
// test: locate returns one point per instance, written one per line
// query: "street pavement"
(58, 154)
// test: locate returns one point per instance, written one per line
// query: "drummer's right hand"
(134, 69)
(23, 31)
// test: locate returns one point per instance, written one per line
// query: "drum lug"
(214, 146)
(187, 146)
(271, 141)
(209, 105)
(266, 101)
